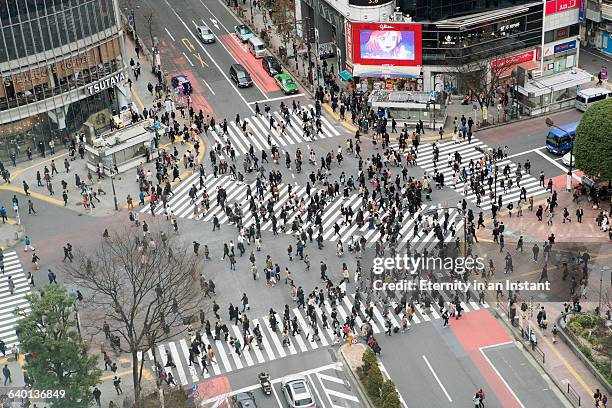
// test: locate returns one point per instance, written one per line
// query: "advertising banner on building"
(395, 44)
(348, 36)
(513, 59)
(566, 46)
(581, 10)
(557, 6)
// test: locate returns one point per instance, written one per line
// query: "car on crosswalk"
(243, 32)
(297, 392)
(286, 83)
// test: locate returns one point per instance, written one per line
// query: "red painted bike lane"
(241, 54)
(478, 331)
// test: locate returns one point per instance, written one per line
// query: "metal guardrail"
(571, 392)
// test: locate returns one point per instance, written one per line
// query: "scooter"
(264, 381)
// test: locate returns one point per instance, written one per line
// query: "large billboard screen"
(387, 43)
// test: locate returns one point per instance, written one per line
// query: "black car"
(240, 76)
(271, 66)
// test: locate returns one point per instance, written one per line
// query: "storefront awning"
(385, 71)
(345, 75)
(529, 66)
(555, 82)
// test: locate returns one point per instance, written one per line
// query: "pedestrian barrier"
(571, 392)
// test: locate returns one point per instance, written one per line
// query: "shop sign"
(561, 33)
(581, 10)
(365, 3)
(557, 6)
(448, 40)
(566, 46)
(106, 83)
(348, 36)
(549, 51)
(327, 50)
(514, 59)
(507, 27)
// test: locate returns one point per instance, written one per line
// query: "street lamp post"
(114, 193)
(550, 123)
(605, 268)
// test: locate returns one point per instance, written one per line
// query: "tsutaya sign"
(106, 83)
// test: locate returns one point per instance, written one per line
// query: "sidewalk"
(124, 183)
(533, 230)
(561, 363)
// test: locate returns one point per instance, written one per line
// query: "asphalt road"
(207, 65)
(526, 140)
(431, 366)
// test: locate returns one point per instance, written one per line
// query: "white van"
(587, 97)
(257, 47)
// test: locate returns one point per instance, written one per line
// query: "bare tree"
(147, 290)
(150, 23)
(482, 79)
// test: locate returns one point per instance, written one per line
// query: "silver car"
(205, 34)
(297, 392)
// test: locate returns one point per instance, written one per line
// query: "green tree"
(374, 382)
(593, 146)
(389, 397)
(56, 355)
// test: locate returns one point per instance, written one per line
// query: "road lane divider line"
(218, 20)
(210, 57)
(206, 83)
(560, 166)
(440, 382)
(188, 60)
(171, 36)
(499, 374)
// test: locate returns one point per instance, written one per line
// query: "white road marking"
(330, 378)
(278, 401)
(565, 169)
(216, 20)
(169, 34)
(278, 98)
(206, 83)
(388, 377)
(437, 379)
(316, 390)
(525, 152)
(188, 60)
(209, 56)
(497, 372)
(342, 395)
(272, 381)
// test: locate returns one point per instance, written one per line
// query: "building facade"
(598, 31)
(62, 65)
(436, 36)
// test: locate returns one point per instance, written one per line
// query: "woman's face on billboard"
(388, 41)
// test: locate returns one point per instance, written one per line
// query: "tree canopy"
(593, 145)
(56, 356)
(140, 291)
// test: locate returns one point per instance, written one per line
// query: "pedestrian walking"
(7, 375)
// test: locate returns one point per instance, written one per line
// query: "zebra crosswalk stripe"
(230, 361)
(10, 302)
(261, 133)
(468, 151)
